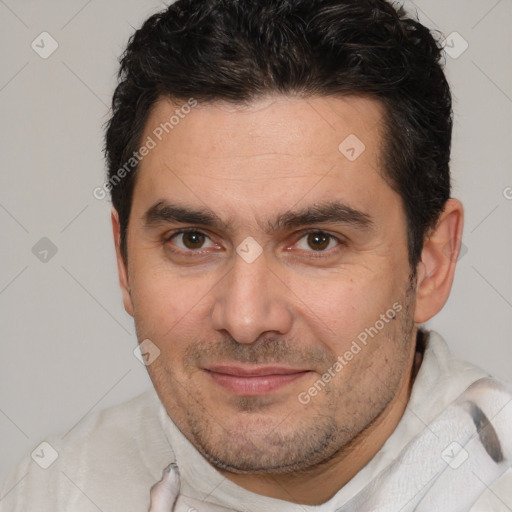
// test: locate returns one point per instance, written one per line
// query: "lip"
(254, 380)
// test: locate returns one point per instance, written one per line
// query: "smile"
(254, 381)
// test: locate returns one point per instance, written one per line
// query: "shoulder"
(497, 497)
(489, 402)
(119, 451)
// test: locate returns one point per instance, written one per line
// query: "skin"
(300, 304)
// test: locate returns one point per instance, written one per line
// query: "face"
(267, 261)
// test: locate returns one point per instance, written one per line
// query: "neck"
(317, 485)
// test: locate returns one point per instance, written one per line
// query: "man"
(279, 172)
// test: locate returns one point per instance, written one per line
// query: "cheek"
(164, 301)
(340, 307)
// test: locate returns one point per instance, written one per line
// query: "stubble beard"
(305, 438)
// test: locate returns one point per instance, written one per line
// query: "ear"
(439, 256)
(122, 268)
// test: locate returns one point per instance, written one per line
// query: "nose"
(251, 300)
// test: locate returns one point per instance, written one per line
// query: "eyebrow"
(164, 212)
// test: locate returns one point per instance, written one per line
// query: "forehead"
(278, 124)
(269, 153)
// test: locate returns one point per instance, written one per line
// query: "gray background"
(67, 344)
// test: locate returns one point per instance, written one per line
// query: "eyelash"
(314, 254)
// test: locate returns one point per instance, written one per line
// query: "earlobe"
(436, 269)
(122, 268)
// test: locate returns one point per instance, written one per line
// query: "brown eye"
(318, 241)
(191, 240)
